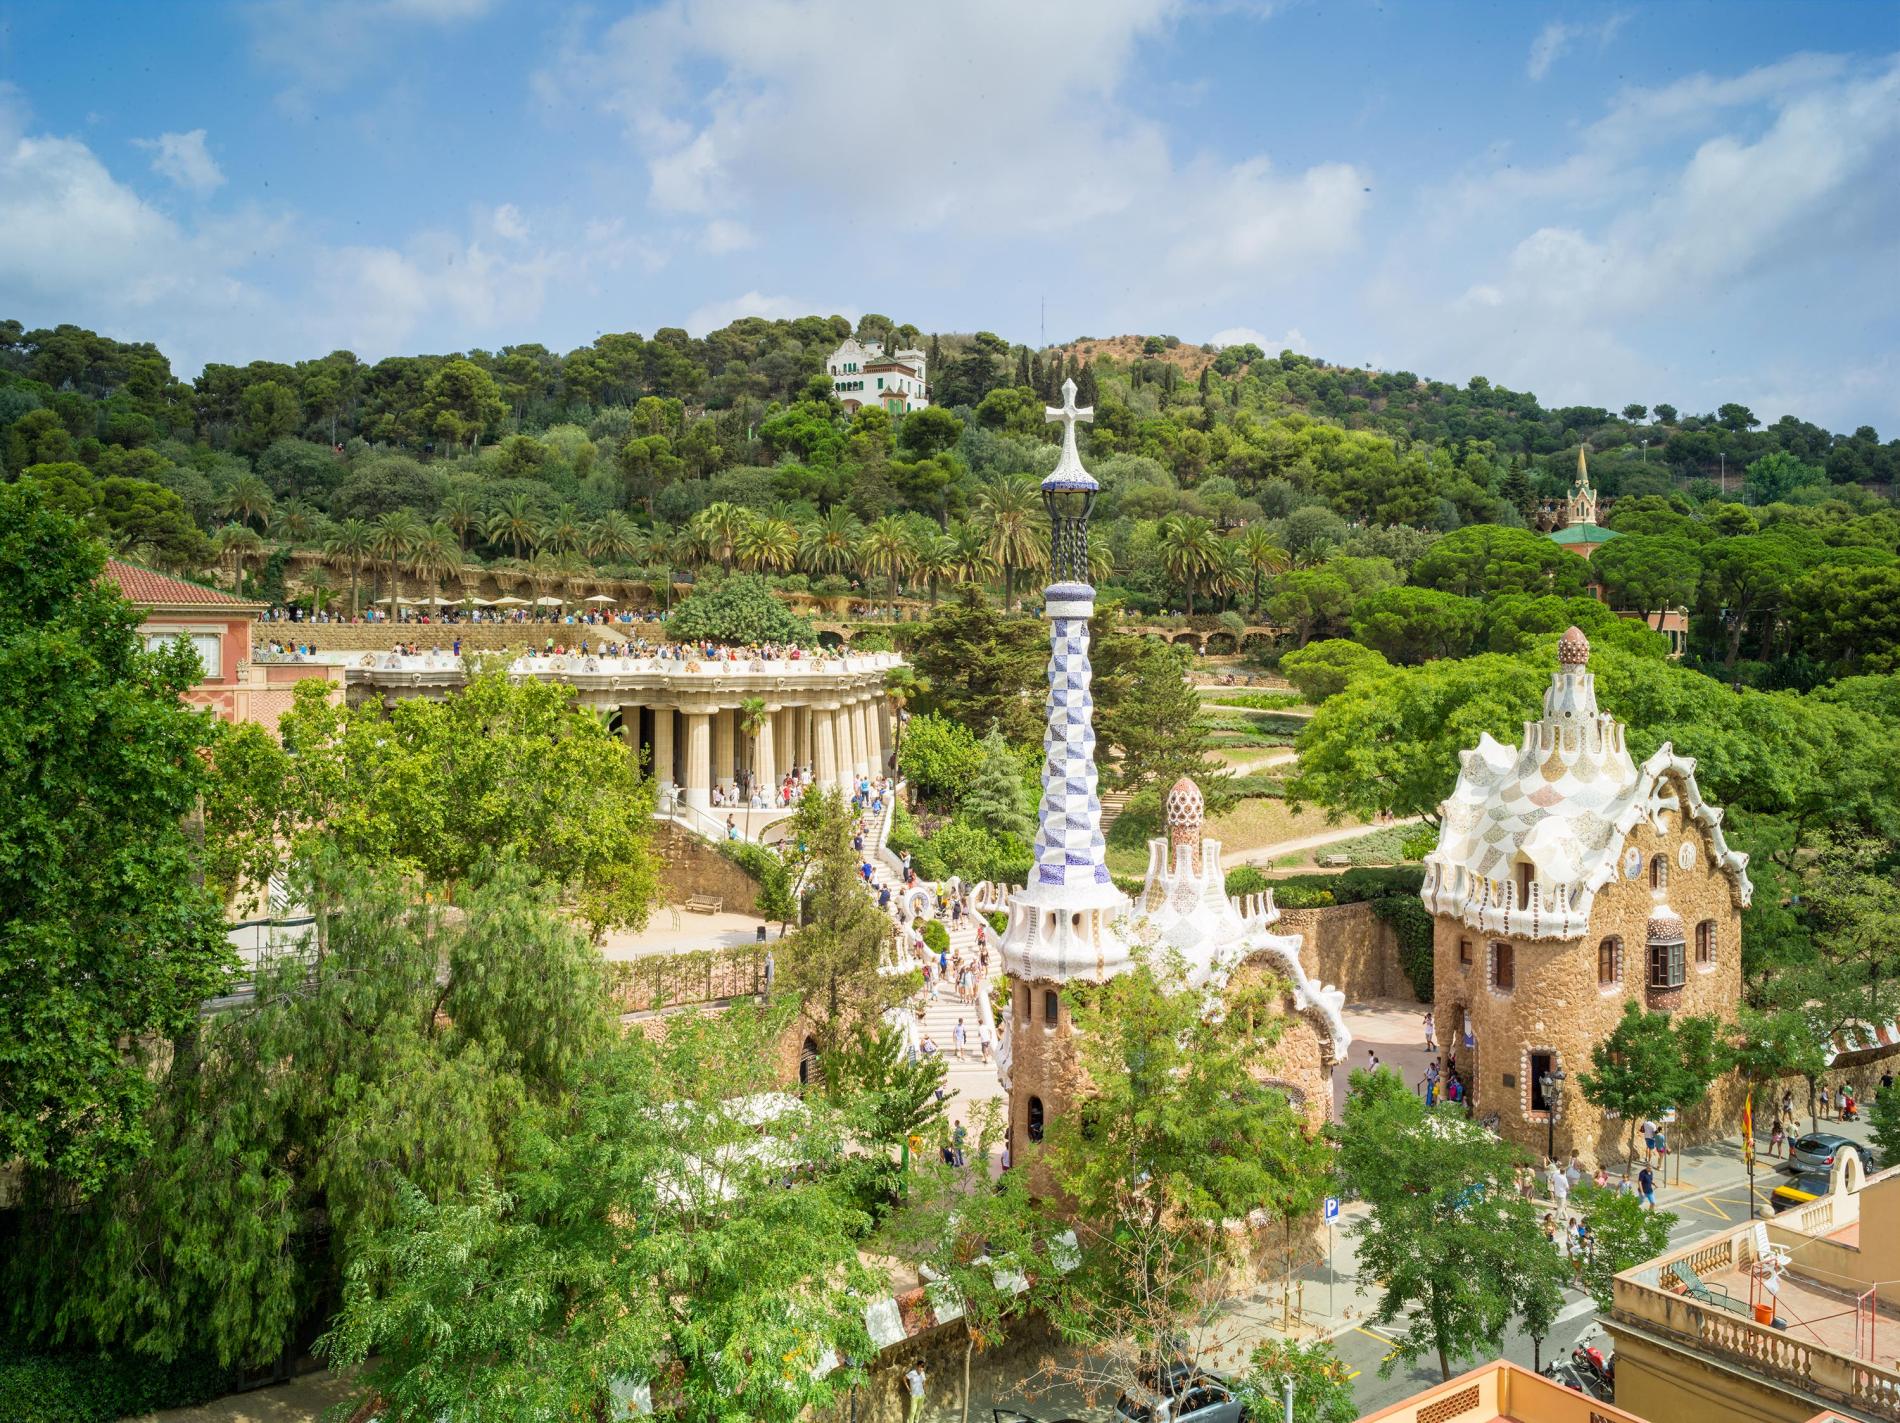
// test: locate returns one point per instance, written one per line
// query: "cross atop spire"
(1068, 473)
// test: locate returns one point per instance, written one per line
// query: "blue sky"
(1683, 202)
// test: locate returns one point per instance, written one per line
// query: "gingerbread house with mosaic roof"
(1567, 881)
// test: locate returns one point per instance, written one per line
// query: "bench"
(706, 903)
(1334, 862)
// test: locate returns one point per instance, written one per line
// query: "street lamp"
(1550, 1083)
(1645, 445)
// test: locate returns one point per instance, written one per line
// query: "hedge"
(91, 1388)
(774, 878)
(1352, 887)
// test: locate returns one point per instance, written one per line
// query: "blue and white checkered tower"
(1061, 924)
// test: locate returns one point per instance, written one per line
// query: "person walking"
(914, 1380)
(984, 1040)
(1559, 1185)
(1777, 1135)
(1646, 1186)
(1431, 1032)
(960, 1038)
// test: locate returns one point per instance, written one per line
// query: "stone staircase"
(1113, 804)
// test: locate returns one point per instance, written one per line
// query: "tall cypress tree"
(1022, 368)
(1085, 385)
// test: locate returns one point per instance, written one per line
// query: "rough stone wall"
(689, 866)
(1303, 1058)
(1043, 1062)
(995, 1373)
(1350, 947)
(1557, 1005)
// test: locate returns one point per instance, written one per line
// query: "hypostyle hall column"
(630, 727)
(825, 735)
(847, 757)
(765, 754)
(874, 725)
(724, 721)
(698, 759)
(663, 767)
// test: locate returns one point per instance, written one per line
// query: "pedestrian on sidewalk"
(1646, 1186)
(1559, 1184)
(1650, 1131)
(1777, 1134)
(1787, 1104)
(960, 1037)
(914, 1381)
(1573, 1173)
(1431, 1032)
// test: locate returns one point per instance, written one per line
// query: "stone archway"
(1219, 644)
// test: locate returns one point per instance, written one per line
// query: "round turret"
(1573, 648)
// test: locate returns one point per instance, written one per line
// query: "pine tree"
(1022, 367)
(1038, 375)
(1085, 385)
(995, 799)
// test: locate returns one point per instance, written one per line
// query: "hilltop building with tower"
(863, 373)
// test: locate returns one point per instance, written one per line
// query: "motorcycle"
(1600, 1371)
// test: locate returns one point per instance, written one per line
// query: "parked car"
(1816, 1152)
(1198, 1397)
(1808, 1186)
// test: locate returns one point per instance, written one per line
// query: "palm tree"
(239, 542)
(829, 543)
(902, 686)
(1189, 547)
(436, 554)
(1014, 525)
(297, 522)
(934, 560)
(352, 541)
(769, 545)
(550, 568)
(720, 526)
(248, 498)
(564, 531)
(1226, 571)
(395, 535)
(1101, 562)
(972, 562)
(659, 548)
(461, 511)
(1262, 557)
(751, 716)
(887, 547)
(316, 585)
(517, 523)
(613, 538)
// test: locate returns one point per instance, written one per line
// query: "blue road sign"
(1332, 1208)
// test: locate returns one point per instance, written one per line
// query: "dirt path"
(1267, 854)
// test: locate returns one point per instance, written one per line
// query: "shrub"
(775, 880)
(936, 937)
(999, 922)
(1256, 701)
(87, 1388)
(1246, 880)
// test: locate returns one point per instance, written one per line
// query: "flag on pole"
(1748, 1129)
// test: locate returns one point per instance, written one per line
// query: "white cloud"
(508, 223)
(183, 159)
(1272, 345)
(321, 46)
(725, 235)
(715, 314)
(743, 108)
(1557, 36)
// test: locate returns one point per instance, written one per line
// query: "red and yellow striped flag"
(1748, 1127)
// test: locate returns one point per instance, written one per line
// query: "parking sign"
(1332, 1208)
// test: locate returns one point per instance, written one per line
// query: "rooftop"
(1501, 1392)
(1581, 534)
(151, 589)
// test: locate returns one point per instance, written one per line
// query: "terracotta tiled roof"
(152, 589)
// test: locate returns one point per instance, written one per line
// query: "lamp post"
(1645, 445)
(1550, 1083)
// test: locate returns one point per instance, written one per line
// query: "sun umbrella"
(511, 601)
(600, 598)
(478, 602)
(546, 602)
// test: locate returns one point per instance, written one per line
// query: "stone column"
(765, 755)
(802, 753)
(698, 759)
(886, 727)
(874, 725)
(865, 739)
(841, 740)
(825, 735)
(630, 727)
(663, 766)
(722, 744)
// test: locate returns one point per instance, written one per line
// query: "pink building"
(219, 628)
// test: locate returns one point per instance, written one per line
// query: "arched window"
(1659, 872)
(808, 1063)
(1610, 962)
(1503, 967)
(1705, 944)
(1035, 1119)
(1051, 1007)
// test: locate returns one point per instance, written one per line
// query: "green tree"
(1457, 1250)
(1322, 669)
(395, 538)
(108, 938)
(1648, 575)
(1147, 715)
(403, 1047)
(440, 788)
(887, 548)
(984, 668)
(1015, 528)
(1646, 1066)
(1850, 617)
(462, 403)
(655, 1235)
(738, 611)
(1486, 559)
(829, 543)
(352, 541)
(831, 965)
(993, 798)
(1883, 1117)
(1417, 624)
(1322, 1384)
(1189, 551)
(1624, 1233)
(939, 757)
(1173, 1090)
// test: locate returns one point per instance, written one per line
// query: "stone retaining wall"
(1350, 947)
(480, 637)
(689, 866)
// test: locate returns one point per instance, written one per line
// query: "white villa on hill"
(862, 374)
